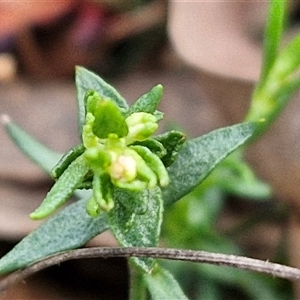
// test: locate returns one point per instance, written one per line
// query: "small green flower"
(107, 137)
(141, 126)
(123, 168)
(116, 152)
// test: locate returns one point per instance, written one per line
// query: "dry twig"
(240, 262)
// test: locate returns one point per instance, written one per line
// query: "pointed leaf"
(235, 176)
(149, 101)
(66, 160)
(85, 81)
(162, 285)
(172, 142)
(70, 228)
(288, 60)
(154, 162)
(63, 188)
(271, 106)
(37, 152)
(155, 146)
(32, 148)
(137, 228)
(198, 157)
(273, 35)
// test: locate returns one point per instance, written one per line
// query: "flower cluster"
(117, 151)
(111, 152)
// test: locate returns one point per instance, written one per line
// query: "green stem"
(137, 284)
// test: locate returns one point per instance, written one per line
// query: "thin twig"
(240, 262)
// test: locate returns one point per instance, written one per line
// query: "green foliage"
(65, 161)
(70, 228)
(191, 224)
(108, 119)
(136, 221)
(162, 285)
(62, 189)
(200, 210)
(86, 81)
(201, 155)
(172, 141)
(149, 101)
(279, 78)
(131, 174)
(273, 34)
(31, 147)
(134, 214)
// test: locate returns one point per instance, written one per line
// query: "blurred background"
(207, 55)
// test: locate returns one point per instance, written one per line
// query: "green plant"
(125, 176)
(125, 166)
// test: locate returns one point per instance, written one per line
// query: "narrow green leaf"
(85, 81)
(163, 286)
(270, 98)
(32, 148)
(63, 188)
(155, 146)
(154, 163)
(255, 190)
(268, 106)
(272, 38)
(288, 60)
(235, 176)
(172, 142)
(198, 157)
(135, 227)
(66, 160)
(287, 91)
(70, 228)
(45, 158)
(137, 289)
(149, 101)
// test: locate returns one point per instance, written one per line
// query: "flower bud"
(123, 169)
(141, 126)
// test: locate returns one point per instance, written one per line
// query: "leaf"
(268, 106)
(287, 62)
(32, 148)
(149, 101)
(198, 157)
(66, 160)
(85, 81)
(70, 228)
(235, 176)
(45, 158)
(63, 188)
(155, 146)
(154, 162)
(162, 285)
(272, 38)
(255, 190)
(276, 68)
(172, 142)
(134, 228)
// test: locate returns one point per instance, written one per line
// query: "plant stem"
(159, 253)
